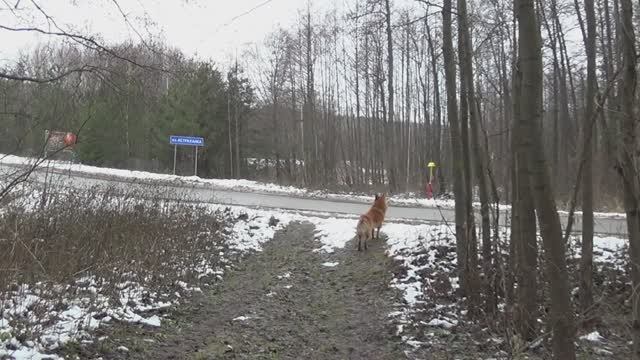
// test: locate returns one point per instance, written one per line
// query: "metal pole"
(196, 170)
(175, 154)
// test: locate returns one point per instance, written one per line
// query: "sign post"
(175, 155)
(194, 141)
(431, 166)
(195, 171)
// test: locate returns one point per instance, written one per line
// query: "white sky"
(197, 27)
(205, 28)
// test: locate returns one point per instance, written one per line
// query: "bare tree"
(561, 316)
(626, 162)
(586, 259)
(523, 224)
(456, 145)
(390, 129)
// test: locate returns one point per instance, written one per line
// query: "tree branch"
(83, 69)
(84, 41)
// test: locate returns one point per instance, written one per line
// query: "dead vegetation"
(99, 250)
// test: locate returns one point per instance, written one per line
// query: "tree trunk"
(586, 259)
(626, 168)
(456, 143)
(229, 132)
(479, 158)
(436, 104)
(524, 225)
(407, 96)
(389, 136)
(561, 317)
(308, 124)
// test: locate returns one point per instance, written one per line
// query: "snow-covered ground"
(225, 184)
(427, 254)
(422, 250)
(89, 307)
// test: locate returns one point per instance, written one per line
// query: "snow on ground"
(330, 264)
(418, 248)
(425, 252)
(593, 337)
(88, 307)
(225, 184)
(231, 184)
(606, 250)
(406, 199)
(427, 255)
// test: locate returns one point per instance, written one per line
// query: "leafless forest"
(527, 103)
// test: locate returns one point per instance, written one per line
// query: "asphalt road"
(208, 194)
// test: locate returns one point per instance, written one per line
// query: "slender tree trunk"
(229, 132)
(627, 163)
(309, 122)
(561, 317)
(436, 104)
(456, 143)
(407, 96)
(586, 259)
(237, 120)
(465, 105)
(524, 225)
(390, 129)
(479, 157)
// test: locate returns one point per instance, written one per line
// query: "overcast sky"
(210, 29)
(203, 27)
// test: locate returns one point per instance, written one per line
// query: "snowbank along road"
(191, 191)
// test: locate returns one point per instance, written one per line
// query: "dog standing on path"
(371, 220)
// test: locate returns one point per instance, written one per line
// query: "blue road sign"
(186, 140)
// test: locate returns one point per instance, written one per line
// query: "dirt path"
(283, 303)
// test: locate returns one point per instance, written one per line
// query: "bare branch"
(83, 69)
(83, 40)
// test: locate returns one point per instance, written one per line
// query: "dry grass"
(62, 245)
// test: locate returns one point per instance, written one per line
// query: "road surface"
(208, 194)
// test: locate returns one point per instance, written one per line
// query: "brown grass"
(54, 243)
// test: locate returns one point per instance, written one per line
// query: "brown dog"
(371, 220)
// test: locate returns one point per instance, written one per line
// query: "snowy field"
(423, 250)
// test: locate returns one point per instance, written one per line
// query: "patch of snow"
(241, 318)
(593, 337)
(330, 264)
(24, 353)
(447, 324)
(152, 321)
(609, 243)
(415, 343)
(412, 292)
(604, 352)
(333, 233)
(250, 234)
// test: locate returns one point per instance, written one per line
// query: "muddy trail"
(287, 302)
